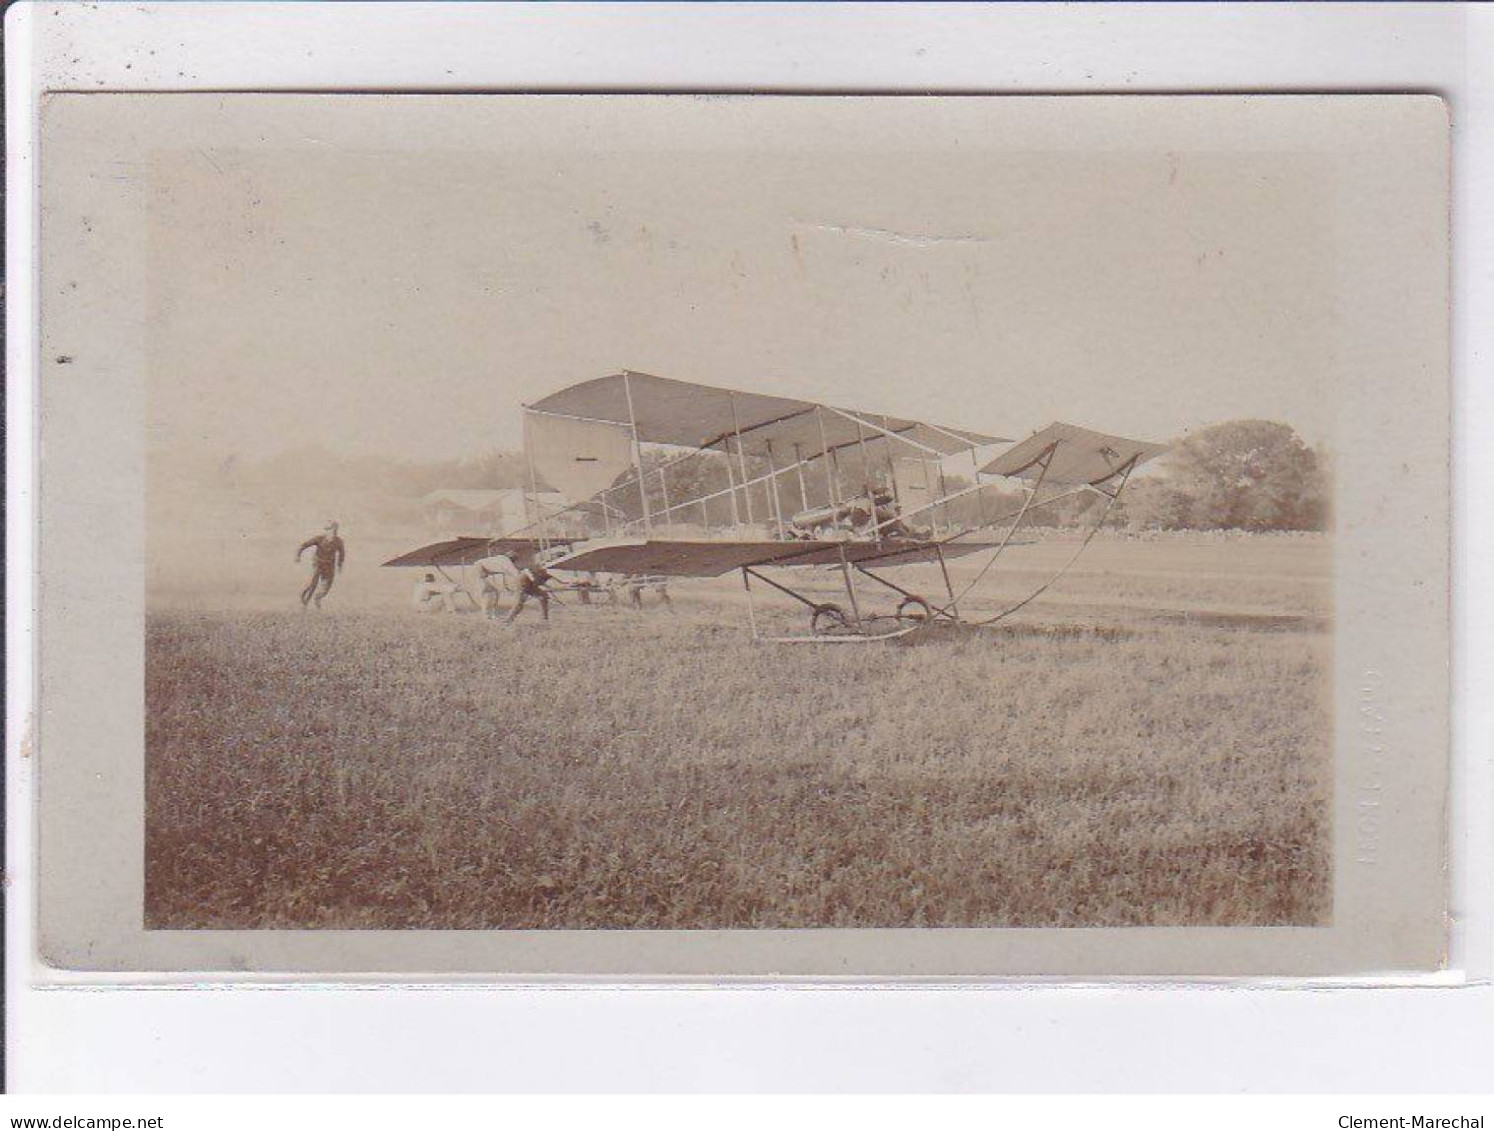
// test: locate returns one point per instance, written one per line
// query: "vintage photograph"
(957, 554)
(568, 520)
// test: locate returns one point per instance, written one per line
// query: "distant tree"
(683, 478)
(357, 472)
(497, 469)
(1082, 508)
(1243, 475)
(1155, 503)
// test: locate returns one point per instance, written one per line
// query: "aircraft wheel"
(828, 620)
(915, 609)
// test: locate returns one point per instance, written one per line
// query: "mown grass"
(616, 770)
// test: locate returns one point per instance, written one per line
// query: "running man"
(329, 554)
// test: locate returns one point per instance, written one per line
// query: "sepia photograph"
(760, 514)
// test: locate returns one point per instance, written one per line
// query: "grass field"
(1111, 758)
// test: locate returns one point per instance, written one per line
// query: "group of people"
(497, 576)
(532, 581)
(329, 553)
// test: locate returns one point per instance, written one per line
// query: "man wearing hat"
(328, 558)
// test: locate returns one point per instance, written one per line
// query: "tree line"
(1256, 475)
(1239, 475)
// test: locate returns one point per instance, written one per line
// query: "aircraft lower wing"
(465, 551)
(711, 558)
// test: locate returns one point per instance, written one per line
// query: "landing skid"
(831, 624)
(854, 639)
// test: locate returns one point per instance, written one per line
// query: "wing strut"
(845, 569)
(637, 451)
(1045, 460)
(830, 467)
(741, 458)
(1124, 472)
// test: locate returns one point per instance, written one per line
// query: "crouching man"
(533, 580)
(430, 595)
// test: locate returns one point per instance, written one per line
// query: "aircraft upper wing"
(710, 558)
(466, 551)
(1080, 456)
(685, 414)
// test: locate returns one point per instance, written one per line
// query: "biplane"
(691, 480)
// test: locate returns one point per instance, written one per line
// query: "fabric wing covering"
(917, 484)
(467, 551)
(684, 558)
(578, 458)
(1082, 456)
(684, 414)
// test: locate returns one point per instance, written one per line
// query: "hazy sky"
(406, 301)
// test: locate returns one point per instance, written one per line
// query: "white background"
(1032, 1038)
